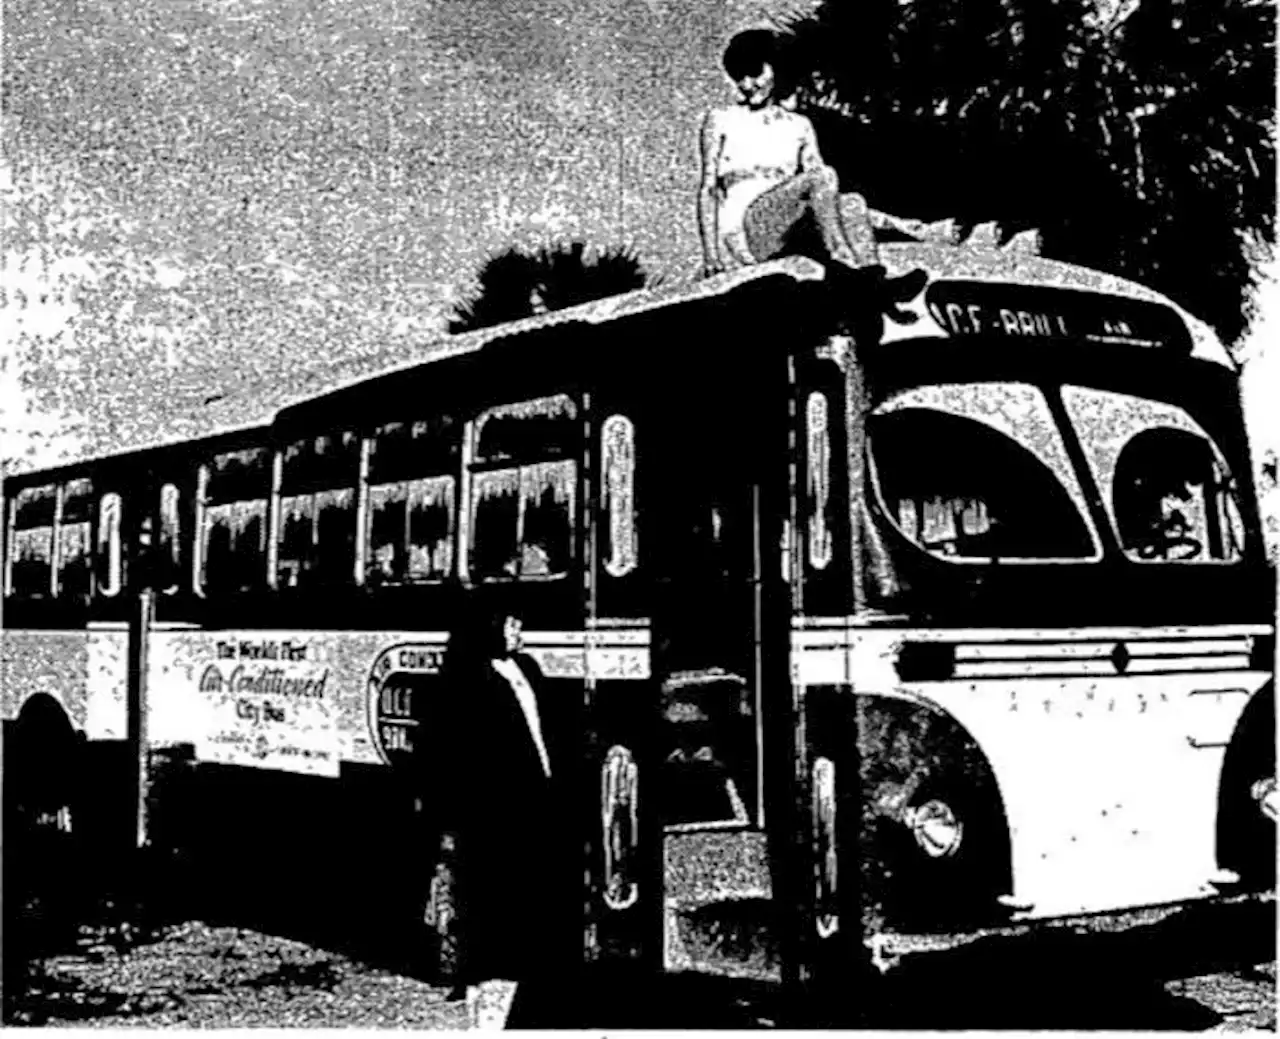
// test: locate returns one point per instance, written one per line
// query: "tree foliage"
(515, 283)
(1136, 135)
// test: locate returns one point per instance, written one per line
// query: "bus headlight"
(935, 827)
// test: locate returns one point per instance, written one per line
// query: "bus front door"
(719, 644)
(679, 878)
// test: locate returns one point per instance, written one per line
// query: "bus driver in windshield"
(762, 174)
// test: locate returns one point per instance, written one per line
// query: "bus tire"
(935, 841)
(41, 806)
(1246, 836)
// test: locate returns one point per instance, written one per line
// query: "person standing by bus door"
(501, 812)
(762, 175)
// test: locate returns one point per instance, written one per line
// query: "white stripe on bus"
(1003, 635)
(1068, 668)
(1101, 649)
(609, 655)
(605, 632)
(1165, 665)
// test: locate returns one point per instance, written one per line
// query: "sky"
(213, 206)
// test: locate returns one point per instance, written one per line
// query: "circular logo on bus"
(399, 680)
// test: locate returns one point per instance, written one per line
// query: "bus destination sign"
(1042, 313)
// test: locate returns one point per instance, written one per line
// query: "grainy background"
(213, 206)
(215, 203)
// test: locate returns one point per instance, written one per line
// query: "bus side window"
(412, 502)
(168, 546)
(233, 522)
(524, 486)
(318, 510)
(618, 494)
(31, 542)
(75, 541)
(108, 546)
(709, 751)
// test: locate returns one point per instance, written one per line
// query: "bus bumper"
(1162, 941)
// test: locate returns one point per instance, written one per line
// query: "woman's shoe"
(1025, 243)
(872, 278)
(941, 232)
(905, 287)
(984, 236)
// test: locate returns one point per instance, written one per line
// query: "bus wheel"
(1246, 833)
(41, 775)
(935, 845)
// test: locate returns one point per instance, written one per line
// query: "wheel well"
(1245, 837)
(40, 749)
(43, 716)
(923, 738)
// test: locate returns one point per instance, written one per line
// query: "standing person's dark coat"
(492, 796)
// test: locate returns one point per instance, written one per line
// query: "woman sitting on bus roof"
(762, 174)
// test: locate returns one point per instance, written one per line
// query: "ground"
(114, 974)
(196, 975)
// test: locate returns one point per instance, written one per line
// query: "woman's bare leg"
(847, 239)
(855, 213)
(855, 221)
(822, 186)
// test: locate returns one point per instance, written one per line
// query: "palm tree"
(1135, 133)
(516, 284)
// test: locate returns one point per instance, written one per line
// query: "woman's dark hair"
(476, 637)
(749, 51)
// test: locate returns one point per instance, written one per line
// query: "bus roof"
(596, 312)
(942, 262)
(997, 266)
(136, 458)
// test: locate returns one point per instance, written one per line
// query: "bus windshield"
(979, 472)
(1165, 484)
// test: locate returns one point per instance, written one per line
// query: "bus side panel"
(288, 749)
(243, 790)
(290, 700)
(1089, 829)
(65, 724)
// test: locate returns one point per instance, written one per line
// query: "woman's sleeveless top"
(760, 150)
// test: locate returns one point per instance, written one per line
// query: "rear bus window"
(412, 491)
(317, 510)
(523, 499)
(233, 521)
(710, 752)
(31, 541)
(75, 540)
(51, 528)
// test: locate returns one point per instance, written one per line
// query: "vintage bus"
(876, 628)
